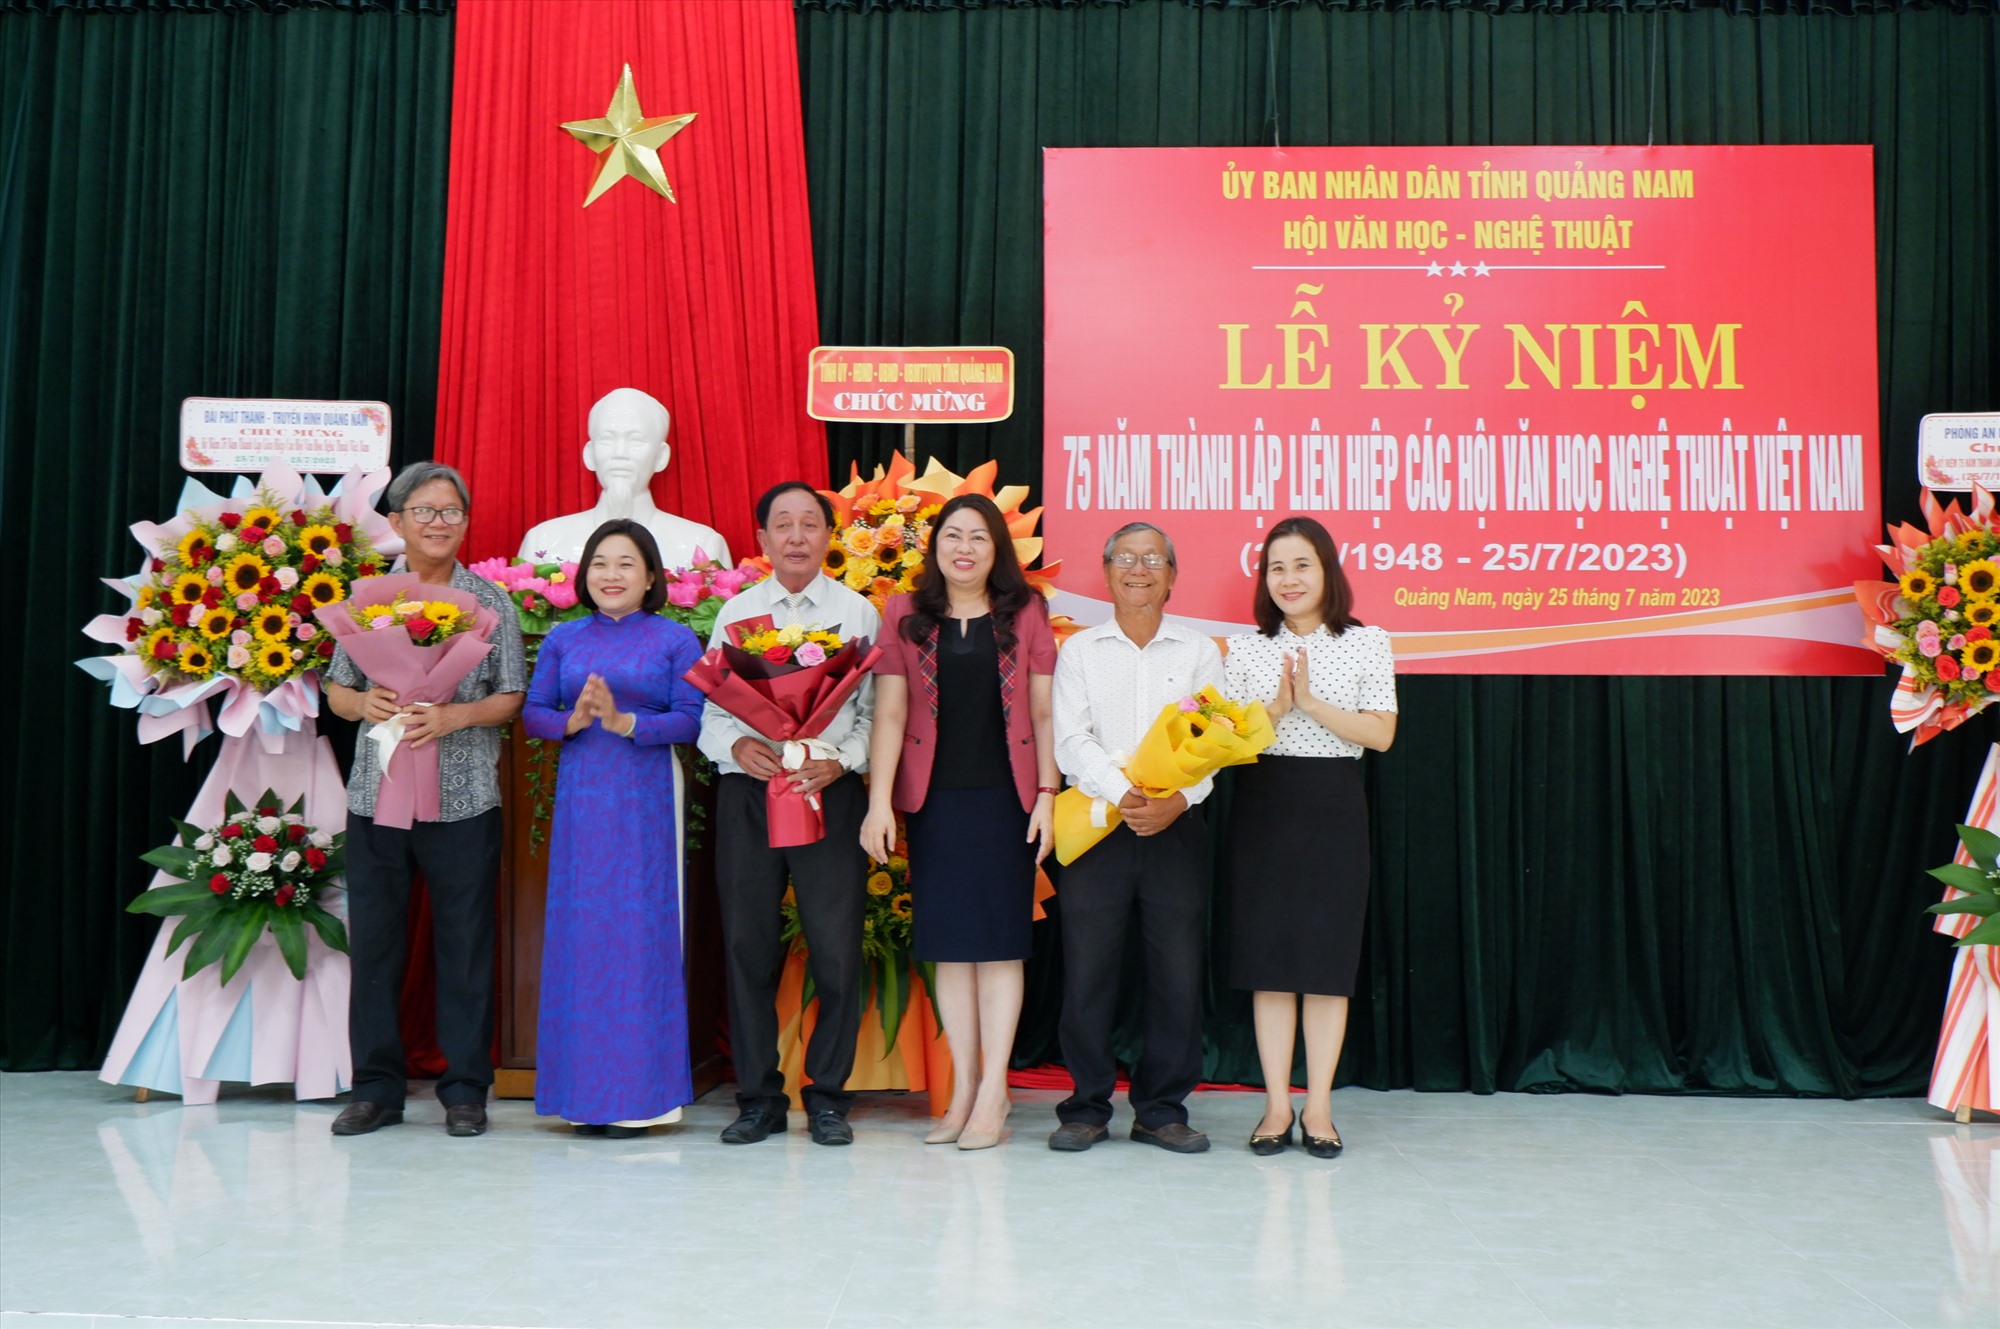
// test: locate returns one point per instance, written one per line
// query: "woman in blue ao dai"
(612, 1046)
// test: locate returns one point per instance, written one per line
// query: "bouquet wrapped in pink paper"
(418, 640)
(787, 684)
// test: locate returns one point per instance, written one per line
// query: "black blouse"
(972, 728)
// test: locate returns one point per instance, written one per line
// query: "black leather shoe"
(359, 1118)
(829, 1127)
(1324, 1146)
(752, 1125)
(465, 1119)
(1266, 1145)
(623, 1132)
(1175, 1137)
(1073, 1137)
(584, 1129)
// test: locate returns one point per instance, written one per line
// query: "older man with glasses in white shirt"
(1111, 682)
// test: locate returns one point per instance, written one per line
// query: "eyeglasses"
(424, 516)
(1130, 560)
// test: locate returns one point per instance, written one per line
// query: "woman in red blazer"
(963, 746)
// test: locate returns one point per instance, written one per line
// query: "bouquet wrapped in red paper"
(418, 640)
(787, 684)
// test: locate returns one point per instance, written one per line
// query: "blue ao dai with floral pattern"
(612, 1043)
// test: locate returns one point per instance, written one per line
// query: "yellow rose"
(880, 884)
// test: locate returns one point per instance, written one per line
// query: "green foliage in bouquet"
(1980, 880)
(263, 869)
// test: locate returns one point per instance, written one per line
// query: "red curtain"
(707, 303)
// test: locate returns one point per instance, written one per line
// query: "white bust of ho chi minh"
(627, 447)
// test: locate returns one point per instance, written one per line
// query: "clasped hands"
(596, 705)
(1149, 816)
(421, 724)
(754, 755)
(1294, 686)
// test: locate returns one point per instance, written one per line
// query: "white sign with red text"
(244, 434)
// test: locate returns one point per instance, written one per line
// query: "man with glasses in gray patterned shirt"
(459, 854)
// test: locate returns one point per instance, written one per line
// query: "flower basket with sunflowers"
(1940, 618)
(885, 945)
(223, 606)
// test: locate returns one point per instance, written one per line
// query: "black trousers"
(1164, 879)
(830, 881)
(460, 861)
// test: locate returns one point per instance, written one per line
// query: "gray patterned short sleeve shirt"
(469, 759)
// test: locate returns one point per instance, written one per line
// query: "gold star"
(628, 144)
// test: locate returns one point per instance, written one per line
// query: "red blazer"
(1034, 652)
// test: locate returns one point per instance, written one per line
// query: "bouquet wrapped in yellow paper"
(1191, 740)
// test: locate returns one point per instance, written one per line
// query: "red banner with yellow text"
(1564, 410)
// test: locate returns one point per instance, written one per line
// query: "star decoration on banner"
(627, 144)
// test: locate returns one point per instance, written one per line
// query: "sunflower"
(1979, 578)
(324, 588)
(316, 540)
(1918, 584)
(195, 547)
(150, 646)
(189, 587)
(245, 573)
(197, 659)
(271, 623)
(1981, 655)
(274, 659)
(215, 624)
(147, 594)
(444, 614)
(881, 883)
(260, 515)
(900, 905)
(882, 507)
(1982, 613)
(836, 561)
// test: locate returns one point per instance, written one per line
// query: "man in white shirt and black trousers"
(1111, 682)
(830, 876)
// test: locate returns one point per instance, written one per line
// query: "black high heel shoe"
(1322, 1146)
(1266, 1145)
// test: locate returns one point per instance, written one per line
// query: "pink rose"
(1957, 643)
(307, 632)
(1189, 705)
(683, 595)
(247, 601)
(812, 653)
(287, 577)
(273, 546)
(239, 656)
(1930, 646)
(215, 576)
(239, 637)
(384, 623)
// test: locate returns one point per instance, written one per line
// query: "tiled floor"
(1446, 1210)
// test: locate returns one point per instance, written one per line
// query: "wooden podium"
(524, 883)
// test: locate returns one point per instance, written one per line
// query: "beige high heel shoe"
(942, 1133)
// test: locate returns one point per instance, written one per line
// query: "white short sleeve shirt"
(1355, 671)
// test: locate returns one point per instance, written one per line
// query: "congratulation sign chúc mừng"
(310, 437)
(1564, 410)
(962, 385)
(1956, 452)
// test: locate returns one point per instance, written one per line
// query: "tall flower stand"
(919, 1059)
(187, 1035)
(1968, 1051)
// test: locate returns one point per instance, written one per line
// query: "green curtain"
(239, 203)
(1624, 884)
